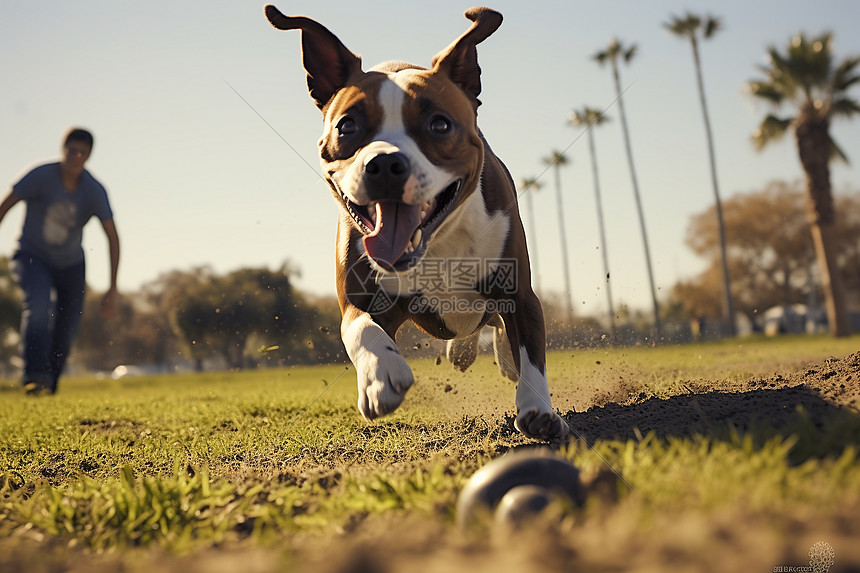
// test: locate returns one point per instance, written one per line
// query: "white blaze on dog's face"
(401, 149)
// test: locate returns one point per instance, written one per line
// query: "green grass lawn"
(274, 469)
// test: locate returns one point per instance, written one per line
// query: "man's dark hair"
(78, 134)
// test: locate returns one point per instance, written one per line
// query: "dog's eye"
(440, 125)
(347, 126)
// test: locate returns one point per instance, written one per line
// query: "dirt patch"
(55, 469)
(817, 394)
(837, 380)
(112, 426)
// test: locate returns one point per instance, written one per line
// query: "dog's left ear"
(328, 62)
(460, 59)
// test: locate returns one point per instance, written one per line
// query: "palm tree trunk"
(826, 247)
(533, 249)
(658, 327)
(728, 307)
(814, 146)
(600, 225)
(561, 230)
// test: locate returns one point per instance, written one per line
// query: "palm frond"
(809, 62)
(587, 116)
(577, 118)
(766, 90)
(676, 26)
(693, 21)
(844, 76)
(630, 53)
(712, 26)
(595, 116)
(780, 69)
(690, 24)
(612, 51)
(844, 107)
(836, 152)
(556, 158)
(771, 129)
(530, 184)
(683, 26)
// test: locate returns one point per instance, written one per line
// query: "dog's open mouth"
(396, 233)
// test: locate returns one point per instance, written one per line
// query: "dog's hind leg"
(502, 349)
(461, 352)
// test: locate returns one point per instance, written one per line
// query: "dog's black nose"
(385, 175)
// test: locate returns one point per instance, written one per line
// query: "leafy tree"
(137, 334)
(848, 231)
(316, 336)
(806, 78)
(691, 27)
(10, 314)
(588, 118)
(771, 253)
(222, 312)
(615, 51)
(165, 294)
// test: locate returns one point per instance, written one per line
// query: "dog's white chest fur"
(468, 246)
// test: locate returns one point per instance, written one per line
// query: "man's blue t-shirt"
(53, 226)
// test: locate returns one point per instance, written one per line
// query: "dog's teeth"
(423, 214)
(416, 238)
(409, 248)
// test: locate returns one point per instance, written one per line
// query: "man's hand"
(109, 303)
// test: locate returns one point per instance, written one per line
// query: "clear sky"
(196, 177)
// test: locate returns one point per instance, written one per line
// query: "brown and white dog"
(429, 229)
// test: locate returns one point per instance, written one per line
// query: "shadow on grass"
(821, 427)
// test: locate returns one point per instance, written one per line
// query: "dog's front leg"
(383, 374)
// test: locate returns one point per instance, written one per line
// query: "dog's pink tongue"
(395, 224)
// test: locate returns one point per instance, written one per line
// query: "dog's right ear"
(460, 59)
(327, 61)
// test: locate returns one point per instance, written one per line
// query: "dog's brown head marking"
(400, 147)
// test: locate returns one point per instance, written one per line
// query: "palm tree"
(805, 77)
(690, 26)
(556, 161)
(528, 186)
(588, 117)
(611, 55)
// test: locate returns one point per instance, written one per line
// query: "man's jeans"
(53, 303)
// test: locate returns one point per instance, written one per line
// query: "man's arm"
(9, 202)
(109, 301)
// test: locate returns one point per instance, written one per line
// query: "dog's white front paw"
(383, 375)
(383, 380)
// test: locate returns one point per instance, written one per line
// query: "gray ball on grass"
(518, 486)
